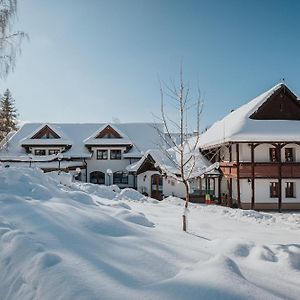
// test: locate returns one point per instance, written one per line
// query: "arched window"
(97, 177)
(120, 177)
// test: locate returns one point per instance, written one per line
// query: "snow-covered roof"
(168, 163)
(61, 140)
(237, 126)
(142, 136)
(95, 141)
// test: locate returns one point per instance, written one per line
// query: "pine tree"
(8, 114)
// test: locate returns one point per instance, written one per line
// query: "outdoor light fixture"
(109, 172)
(59, 157)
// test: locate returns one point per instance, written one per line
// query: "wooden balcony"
(270, 170)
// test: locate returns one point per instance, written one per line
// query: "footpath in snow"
(84, 241)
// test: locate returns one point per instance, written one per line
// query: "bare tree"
(10, 41)
(188, 110)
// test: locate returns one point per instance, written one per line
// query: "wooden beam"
(279, 146)
(219, 189)
(238, 175)
(252, 177)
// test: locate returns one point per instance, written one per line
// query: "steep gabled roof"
(108, 134)
(168, 163)
(143, 136)
(46, 134)
(254, 122)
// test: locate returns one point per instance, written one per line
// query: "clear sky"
(94, 60)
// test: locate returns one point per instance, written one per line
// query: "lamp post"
(109, 172)
(59, 157)
(30, 157)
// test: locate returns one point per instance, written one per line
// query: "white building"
(101, 151)
(158, 175)
(258, 147)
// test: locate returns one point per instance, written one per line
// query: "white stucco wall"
(262, 191)
(94, 164)
(261, 152)
(172, 187)
(144, 182)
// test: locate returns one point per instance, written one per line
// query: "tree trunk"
(187, 199)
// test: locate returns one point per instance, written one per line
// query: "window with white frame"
(120, 177)
(53, 151)
(289, 154)
(102, 154)
(274, 191)
(115, 154)
(290, 190)
(40, 152)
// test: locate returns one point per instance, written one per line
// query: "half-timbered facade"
(258, 148)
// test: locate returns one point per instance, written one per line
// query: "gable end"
(108, 133)
(282, 105)
(46, 133)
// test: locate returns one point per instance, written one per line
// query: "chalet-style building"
(101, 152)
(158, 176)
(258, 148)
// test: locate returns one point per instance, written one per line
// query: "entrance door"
(156, 186)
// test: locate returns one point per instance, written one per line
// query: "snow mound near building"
(131, 194)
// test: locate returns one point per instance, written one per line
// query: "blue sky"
(94, 60)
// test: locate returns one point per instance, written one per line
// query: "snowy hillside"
(85, 241)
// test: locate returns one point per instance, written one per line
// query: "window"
(97, 177)
(115, 154)
(289, 190)
(39, 152)
(120, 177)
(102, 154)
(53, 151)
(274, 190)
(274, 157)
(289, 154)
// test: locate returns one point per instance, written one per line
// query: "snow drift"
(83, 241)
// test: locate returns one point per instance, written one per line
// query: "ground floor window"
(120, 177)
(289, 190)
(274, 190)
(97, 177)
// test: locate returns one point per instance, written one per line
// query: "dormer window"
(108, 133)
(53, 151)
(46, 133)
(39, 152)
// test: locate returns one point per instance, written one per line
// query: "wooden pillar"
(230, 192)
(252, 178)
(279, 179)
(219, 189)
(238, 175)
(230, 179)
(230, 153)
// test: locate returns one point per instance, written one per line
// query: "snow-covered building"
(258, 148)
(158, 175)
(101, 152)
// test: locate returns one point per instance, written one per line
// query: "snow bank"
(74, 242)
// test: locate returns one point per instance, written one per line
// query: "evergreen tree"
(8, 114)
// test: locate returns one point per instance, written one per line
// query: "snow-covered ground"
(85, 241)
